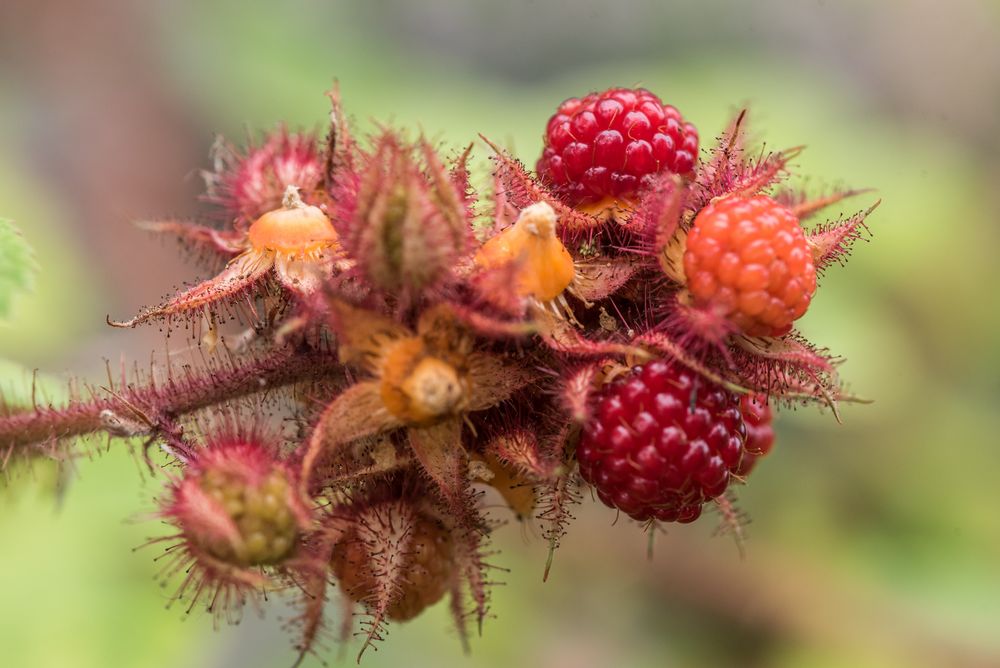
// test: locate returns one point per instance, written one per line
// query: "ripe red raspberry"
(662, 442)
(760, 432)
(609, 144)
(748, 259)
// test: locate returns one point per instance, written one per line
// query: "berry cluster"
(381, 346)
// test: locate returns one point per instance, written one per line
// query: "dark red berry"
(760, 431)
(662, 442)
(610, 144)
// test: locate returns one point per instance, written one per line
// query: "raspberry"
(239, 505)
(760, 432)
(610, 144)
(427, 564)
(748, 259)
(662, 442)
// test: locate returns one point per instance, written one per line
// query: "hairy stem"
(117, 409)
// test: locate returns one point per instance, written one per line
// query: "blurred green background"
(874, 543)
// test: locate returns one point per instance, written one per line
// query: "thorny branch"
(117, 411)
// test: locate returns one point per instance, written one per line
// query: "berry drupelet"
(760, 431)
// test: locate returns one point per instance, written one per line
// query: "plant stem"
(183, 392)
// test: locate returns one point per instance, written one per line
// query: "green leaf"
(17, 266)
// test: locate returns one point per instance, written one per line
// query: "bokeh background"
(874, 543)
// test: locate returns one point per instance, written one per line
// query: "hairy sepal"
(579, 387)
(199, 238)
(409, 224)
(556, 500)
(520, 450)
(443, 459)
(246, 185)
(832, 243)
(729, 172)
(658, 214)
(522, 189)
(357, 412)
(805, 205)
(241, 278)
(470, 586)
(387, 533)
(599, 278)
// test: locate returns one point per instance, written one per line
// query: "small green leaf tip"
(17, 266)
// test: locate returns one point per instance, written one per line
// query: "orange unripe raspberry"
(748, 259)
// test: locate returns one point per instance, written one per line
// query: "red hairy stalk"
(555, 513)
(185, 390)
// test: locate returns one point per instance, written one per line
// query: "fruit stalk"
(181, 394)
